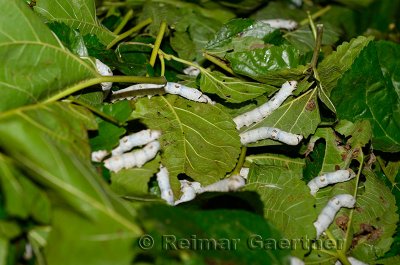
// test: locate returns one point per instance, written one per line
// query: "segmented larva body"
(296, 261)
(98, 156)
(170, 88)
(163, 183)
(143, 86)
(135, 139)
(189, 191)
(263, 111)
(135, 158)
(353, 261)
(232, 183)
(191, 71)
(276, 134)
(187, 92)
(281, 23)
(329, 178)
(329, 212)
(104, 70)
(244, 172)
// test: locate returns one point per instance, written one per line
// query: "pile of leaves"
(59, 207)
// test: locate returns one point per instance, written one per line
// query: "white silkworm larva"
(191, 71)
(189, 191)
(135, 139)
(276, 134)
(143, 86)
(244, 172)
(104, 70)
(266, 109)
(232, 183)
(296, 261)
(281, 23)
(353, 261)
(98, 156)
(135, 158)
(165, 188)
(187, 92)
(329, 178)
(327, 214)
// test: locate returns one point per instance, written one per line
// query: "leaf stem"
(124, 21)
(312, 25)
(97, 80)
(99, 113)
(339, 254)
(162, 61)
(314, 16)
(240, 162)
(126, 34)
(317, 47)
(218, 62)
(349, 223)
(157, 43)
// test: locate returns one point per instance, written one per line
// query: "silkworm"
(296, 261)
(191, 189)
(163, 183)
(232, 183)
(135, 158)
(135, 139)
(263, 111)
(188, 190)
(104, 70)
(327, 214)
(170, 88)
(353, 261)
(281, 23)
(187, 92)
(98, 156)
(244, 172)
(329, 178)
(191, 71)
(276, 134)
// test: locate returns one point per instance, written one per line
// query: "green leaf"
(108, 133)
(335, 154)
(259, 64)
(197, 139)
(78, 14)
(232, 89)
(360, 132)
(332, 68)
(38, 237)
(183, 45)
(22, 197)
(86, 216)
(279, 9)
(9, 229)
(134, 182)
(303, 39)
(3, 251)
(287, 200)
(238, 229)
(277, 160)
(298, 116)
(375, 221)
(38, 66)
(390, 261)
(70, 38)
(374, 94)
(234, 32)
